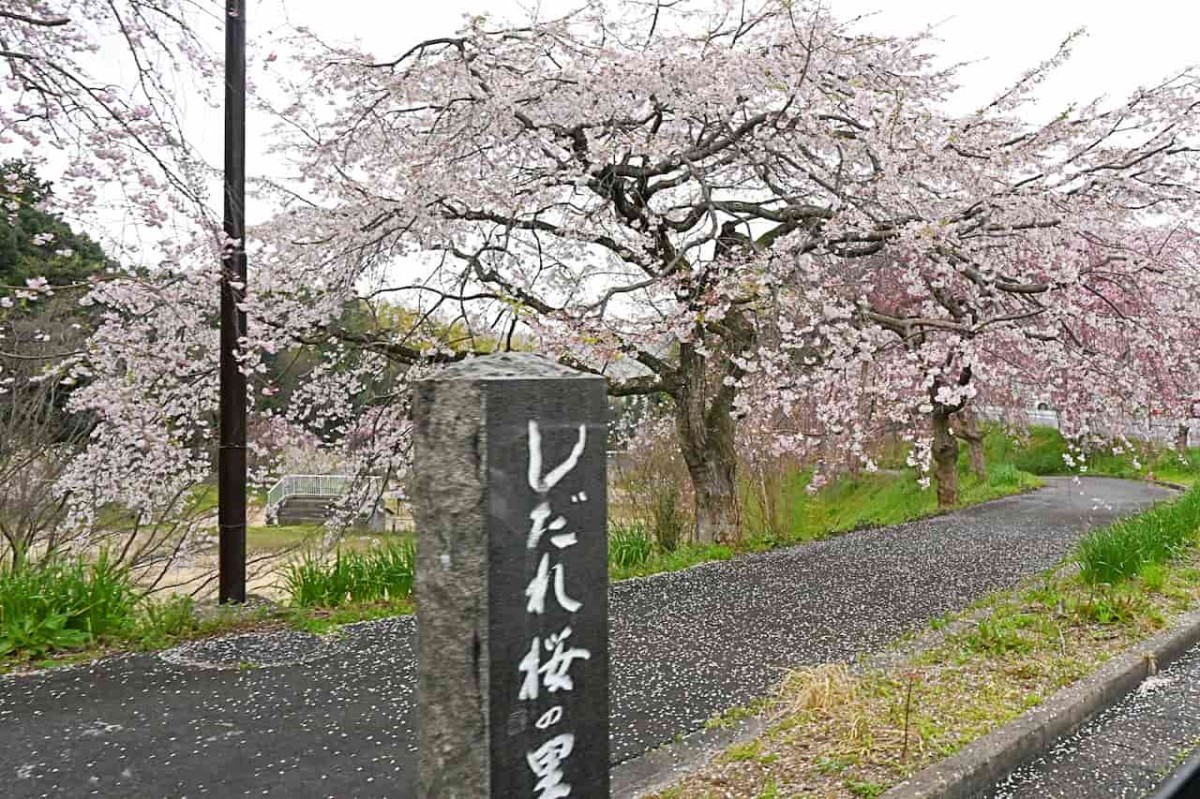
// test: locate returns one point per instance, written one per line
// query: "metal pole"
(231, 461)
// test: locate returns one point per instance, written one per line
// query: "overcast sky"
(1128, 44)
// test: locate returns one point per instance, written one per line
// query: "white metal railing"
(319, 485)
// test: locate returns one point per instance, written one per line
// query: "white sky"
(1128, 44)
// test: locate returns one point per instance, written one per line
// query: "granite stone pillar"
(512, 580)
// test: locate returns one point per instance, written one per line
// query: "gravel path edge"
(659, 768)
(991, 758)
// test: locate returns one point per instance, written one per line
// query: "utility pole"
(231, 459)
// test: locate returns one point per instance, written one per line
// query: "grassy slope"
(850, 503)
(1042, 452)
(841, 732)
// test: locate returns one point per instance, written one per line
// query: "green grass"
(849, 503)
(58, 606)
(381, 574)
(629, 545)
(63, 611)
(868, 500)
(1136, 546)
(1043, 451)
(323, 621)
(684, 557)
(277, 538)
(62, 604)
(1176, 468)
(867, 789)
(273, 538)
(1040, 452)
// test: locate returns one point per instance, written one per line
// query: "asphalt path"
(294, 715)
(1126, 751)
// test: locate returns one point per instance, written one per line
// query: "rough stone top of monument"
(509, 366)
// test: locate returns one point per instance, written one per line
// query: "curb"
(659, 768)
(986, 761)
(1180, 487)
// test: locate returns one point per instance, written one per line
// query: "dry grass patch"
(853, 732)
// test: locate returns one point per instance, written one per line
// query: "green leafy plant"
(36, 635)
(160, 622)
(629, 545)
(63, 604)
(382, 574)
(1128, 547)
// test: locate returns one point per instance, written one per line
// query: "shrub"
(1005, 474)
(629, 545)
(162, 621)
(63, 604)
(1126, 548)
(383, 574)
(670, 521)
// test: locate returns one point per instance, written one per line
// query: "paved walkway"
(333, 717)
(1126, 751)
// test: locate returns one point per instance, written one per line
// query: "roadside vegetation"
(1044, 451)
(383, 574)
(61, 611)
(854, 730)
(72, 609)
(791, 515)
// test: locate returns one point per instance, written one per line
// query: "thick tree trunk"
(708, 434)
(945, 458)
(714, 482)
(1181, 438)
(969, 426)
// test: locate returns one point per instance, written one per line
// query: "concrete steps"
(304, 510)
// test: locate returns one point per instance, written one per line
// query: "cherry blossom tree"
(747, 208)
(1094, 343)
(91, 91)
(1169, 363)
(745, 200)
(90, 99)
(623, 186)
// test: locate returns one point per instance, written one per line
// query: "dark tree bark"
(945, 457)
(1181, 438)
(707, 440)
(969, 432)
(704, 418)
(944, 448)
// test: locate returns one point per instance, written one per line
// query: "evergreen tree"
(35, 242)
